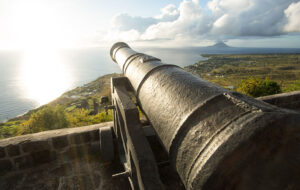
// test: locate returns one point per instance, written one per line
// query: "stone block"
(77, 152)
(95, 147)
(94, 135)
(13, 150)
(2, 152)
(34, 146)
(5, 166)
(80, 138)
(78, 182)
(43, 156)
(60, 142)
(23, 162)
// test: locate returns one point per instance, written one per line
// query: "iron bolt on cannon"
(214, 138)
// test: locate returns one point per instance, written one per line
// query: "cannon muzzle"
(216, 139)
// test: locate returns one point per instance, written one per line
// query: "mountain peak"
(220, 45)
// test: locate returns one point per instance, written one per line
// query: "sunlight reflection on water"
(32, 78)
(43, 75)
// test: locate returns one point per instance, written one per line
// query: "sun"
(44, 76)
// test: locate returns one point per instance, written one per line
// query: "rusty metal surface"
(136, 155)
(202, 125)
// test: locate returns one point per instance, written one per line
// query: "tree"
(45, 119)
(257, 87)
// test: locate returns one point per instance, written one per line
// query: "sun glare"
(44, 76)
(36, 24)
(39, 31)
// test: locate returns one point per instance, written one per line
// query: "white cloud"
(187, 24)
(168, 13)
(221, 19)
(249, 17)
(124, 22)
(292, 14)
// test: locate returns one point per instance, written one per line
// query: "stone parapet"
(62, 145)
(290, 100)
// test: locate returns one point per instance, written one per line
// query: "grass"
(229, 70)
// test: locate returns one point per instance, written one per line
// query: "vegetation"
(257, 87)
(45, 119)
(9, 129)
(52, 117)
(294, 86)
(81, 117)
(78, 107)
(229, 70)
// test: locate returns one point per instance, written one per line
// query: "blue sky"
(28, 24)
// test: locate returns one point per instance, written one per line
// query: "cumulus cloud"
(124, 22)
(249, 17)
(191, 21)
(292, 14)
(168, 13)
(130, 28)
(218, 19)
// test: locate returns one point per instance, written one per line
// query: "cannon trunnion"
(214, 138)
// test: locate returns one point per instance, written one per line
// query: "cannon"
(214, 138)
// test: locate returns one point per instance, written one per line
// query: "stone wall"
(32, 150)
(70, 158)
(290, 100)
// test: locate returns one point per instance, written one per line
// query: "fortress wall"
(290, 100)
(27, 151)
(62, 145)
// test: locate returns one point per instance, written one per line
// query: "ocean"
(33, 78)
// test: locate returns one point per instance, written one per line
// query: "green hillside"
(229, 70)
(77, 107)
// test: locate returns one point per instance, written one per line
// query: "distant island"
(219, 44)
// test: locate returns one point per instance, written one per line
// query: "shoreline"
(66, 95)
(224, 70)
(195, 68)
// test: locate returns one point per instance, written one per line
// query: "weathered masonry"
(57, 159)
(32, 150)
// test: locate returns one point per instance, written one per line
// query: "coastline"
(226, 70)
(74, 108)
(95, 88)
(208, 69)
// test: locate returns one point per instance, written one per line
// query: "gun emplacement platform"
(214, 138)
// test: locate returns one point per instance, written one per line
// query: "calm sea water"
(30, 79)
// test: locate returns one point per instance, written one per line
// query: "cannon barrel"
(216, 139)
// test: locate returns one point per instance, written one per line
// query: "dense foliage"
(45, 119)
(257, 87)
(81, 117)
(52, 117)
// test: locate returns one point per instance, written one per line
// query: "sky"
(29, 24)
